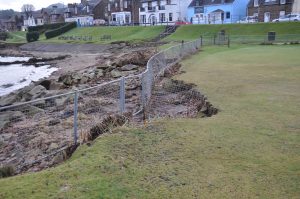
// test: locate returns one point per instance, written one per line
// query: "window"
(255, 3)
(168, 2)
(114, 17)
(121, 5)
(162, 17)
(281, 13)
(282, 1)
(108, 7)
(143, 18)
(125, 4)
(227, 15)
(267, 17)
(170, 16)
(199, 10)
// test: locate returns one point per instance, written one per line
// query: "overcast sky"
(38, 4)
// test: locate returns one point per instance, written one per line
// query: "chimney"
(76, 11)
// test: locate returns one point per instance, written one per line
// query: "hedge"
(56, 32)
(3, 36)
(32, 36)
(45, 27)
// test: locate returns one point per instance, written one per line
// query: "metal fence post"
(201, 39)
(122, 95)
(181, 49)
(215, 39)
(75, 117)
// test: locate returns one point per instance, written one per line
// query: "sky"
(38, 4)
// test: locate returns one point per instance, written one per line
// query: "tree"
(27, 9)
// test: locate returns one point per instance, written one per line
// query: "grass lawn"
(239, 32)
(17, 37)
(128, 33)
(251, 149)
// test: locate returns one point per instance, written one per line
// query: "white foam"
(16, 76)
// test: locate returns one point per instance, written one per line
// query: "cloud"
(38, 4)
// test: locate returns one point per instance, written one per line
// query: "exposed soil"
(40, 135)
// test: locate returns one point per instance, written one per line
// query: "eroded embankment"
(40, 135)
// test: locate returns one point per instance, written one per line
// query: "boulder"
(129, 67)
(99, 73)
(35, 93)
(67, 79)
(10, 116)
(9, 100)
(115, 73)
(63, 100)
(56, 85)
(30, 110)
(84, 79)
(53, 146)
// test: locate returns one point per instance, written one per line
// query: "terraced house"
(217, 11)
(163, 11)
(267, 10)
(117, 12)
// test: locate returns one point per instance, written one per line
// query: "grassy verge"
(249, 150)
(17, 37)
(131, 34)
(253, 31)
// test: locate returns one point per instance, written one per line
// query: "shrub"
(32, 36)
(45, 27)
(3, 36)
(56, 32)
(6, 171)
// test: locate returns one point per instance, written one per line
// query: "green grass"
(128, 33)
(17, 37)
(249, 150)
(191, 32)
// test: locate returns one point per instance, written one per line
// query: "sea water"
(16, 76)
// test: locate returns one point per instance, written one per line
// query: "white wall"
(296, 7)
(29, 22)
(178, 8)
(81, 20)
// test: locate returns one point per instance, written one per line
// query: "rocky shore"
(39, 134)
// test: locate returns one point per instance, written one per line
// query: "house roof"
(11, 20)
(208, 2)
(37, 14)
(262, 2)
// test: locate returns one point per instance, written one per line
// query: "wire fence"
(226, 39)
(38, 132)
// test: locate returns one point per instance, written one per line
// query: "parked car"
(182, 23)
(249, 19)
(289, 17)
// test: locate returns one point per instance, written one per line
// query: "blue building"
(217, 11)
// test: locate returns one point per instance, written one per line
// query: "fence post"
(122, 95)
(201, 39)
(215, 39)
(75, 117)
(228, 43)
(181, 49)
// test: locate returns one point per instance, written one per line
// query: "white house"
(163, 11)
(30, 21)
(82, 21)
(120, 18)
(34, 19)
